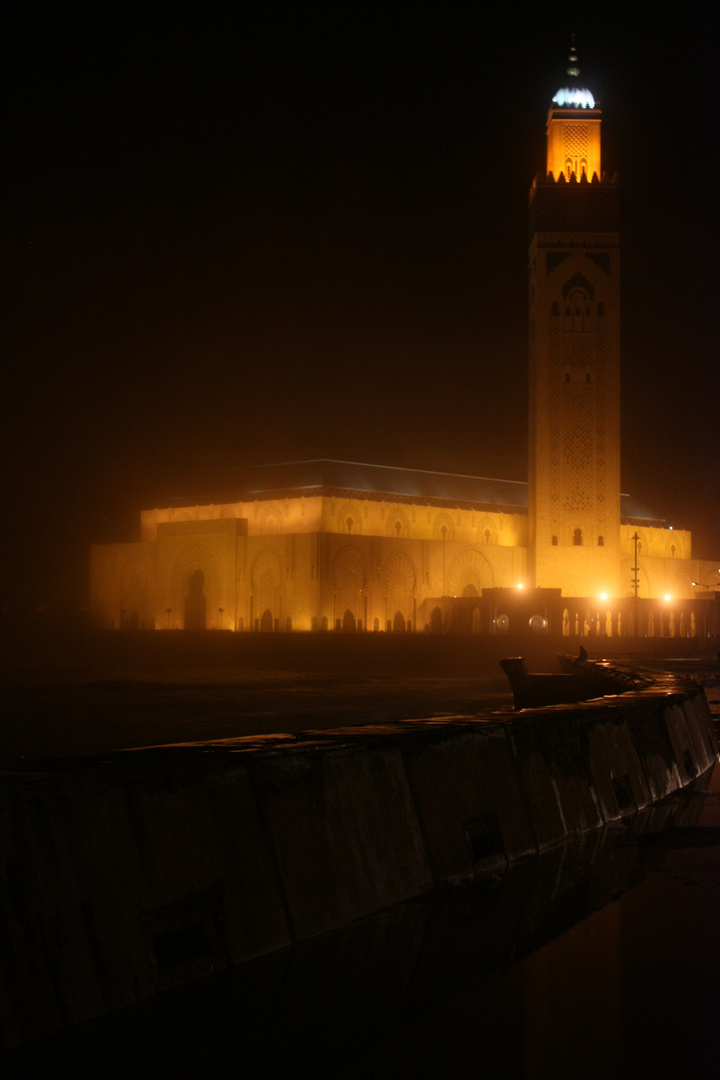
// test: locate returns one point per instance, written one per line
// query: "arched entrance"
(195, 588)
(196, 602)
(349, 578)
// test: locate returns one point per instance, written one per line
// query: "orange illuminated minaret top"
(573, 129)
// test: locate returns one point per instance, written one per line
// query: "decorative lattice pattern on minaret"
(577, 349)
(576, 442)
(576, 140)
(601, 407)
(577, 451)
(554, 472)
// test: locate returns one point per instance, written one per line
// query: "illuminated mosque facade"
(330, 545)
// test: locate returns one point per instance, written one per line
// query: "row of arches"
(266, 623)
(399, 525)
(196, 588)
(364, 597)
(577, 539)
(195, 592)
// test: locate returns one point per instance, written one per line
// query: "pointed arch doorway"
(196, 602)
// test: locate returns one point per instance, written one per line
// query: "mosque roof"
(634, 513)
(364, 480)
(351, 479)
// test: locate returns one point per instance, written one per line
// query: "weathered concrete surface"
(128, 874)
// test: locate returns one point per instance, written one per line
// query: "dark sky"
(235, 239)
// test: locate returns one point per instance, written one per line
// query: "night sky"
(233, 239)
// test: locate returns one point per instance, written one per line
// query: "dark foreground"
(600, 959)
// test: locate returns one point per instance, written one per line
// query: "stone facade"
(305, 562)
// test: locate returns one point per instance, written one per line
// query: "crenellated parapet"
(577, 206)
(548, 179)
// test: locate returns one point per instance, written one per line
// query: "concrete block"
(344, 830)
(651, 740)
(688, 751)
(616, 768)
(701, 730)
(143, 885)
(552, 759)
(470, 803)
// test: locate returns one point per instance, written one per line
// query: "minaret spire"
(574, 95)
(573, 129)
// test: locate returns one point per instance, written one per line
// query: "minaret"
(574, 523)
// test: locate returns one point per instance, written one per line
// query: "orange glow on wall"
(573, 143)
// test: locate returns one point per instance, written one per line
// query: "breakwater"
(129, 874)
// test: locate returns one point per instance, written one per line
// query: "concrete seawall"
(126, 875)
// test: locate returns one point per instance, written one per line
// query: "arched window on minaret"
(577, 538)
(578, 313)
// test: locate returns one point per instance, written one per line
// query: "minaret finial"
(574, 96)
(573, 70)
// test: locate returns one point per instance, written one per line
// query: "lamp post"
(707, 588)
(635, 582)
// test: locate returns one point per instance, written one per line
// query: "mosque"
(332, 545)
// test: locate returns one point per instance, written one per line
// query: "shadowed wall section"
(127, 875)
